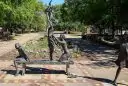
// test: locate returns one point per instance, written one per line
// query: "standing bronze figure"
(50, 29)
(49, 14)
(122, 60)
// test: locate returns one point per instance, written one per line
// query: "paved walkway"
(7, 46)
(97, 72)
(48, 75)
(54, 75)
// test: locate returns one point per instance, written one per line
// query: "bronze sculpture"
(122, 60)
(51, 42)
(22, 57)
(66, 54)
(22, 60)
(49, 14)
(50, 28)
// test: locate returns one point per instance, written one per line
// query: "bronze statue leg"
(51, 55)
(23, 68)
(117, 74)
(17, 70)
(67, 68)
(51, 49)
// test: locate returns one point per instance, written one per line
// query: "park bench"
(20, 63)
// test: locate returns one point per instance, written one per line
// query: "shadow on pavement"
(32, 70)
(103, 56)
(89, 47)
(100, 79)
(105, 64)
(122, 84)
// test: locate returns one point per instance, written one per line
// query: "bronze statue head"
(62, 36)
(17, 46)
(125, 36)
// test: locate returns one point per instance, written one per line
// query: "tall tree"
(22, 15)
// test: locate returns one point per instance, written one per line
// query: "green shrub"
(70, 26)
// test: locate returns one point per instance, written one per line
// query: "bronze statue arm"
(61, 42)
(108, 42)
(50, 3)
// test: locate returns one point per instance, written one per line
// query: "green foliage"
(22, 15)
(70, 26)
(37, 48)
(75, 14)
(100, 13)
(37, 45)
(57, 12)
(85, 11)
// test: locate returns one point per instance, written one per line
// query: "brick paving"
(54, 75)
(48, 75)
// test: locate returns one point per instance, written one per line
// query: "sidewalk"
(97, 72)
(7, 46)
(49, 75)
(54, 75)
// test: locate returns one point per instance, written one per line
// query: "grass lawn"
(37, 44)
(37, 48)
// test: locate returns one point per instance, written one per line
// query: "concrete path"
(49, 75)
(7, 46)
(99, 71)
(54, 75)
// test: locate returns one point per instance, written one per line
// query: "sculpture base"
(23, 64)
(54, 62)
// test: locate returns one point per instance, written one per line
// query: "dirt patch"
(9, 56)
(34, 55)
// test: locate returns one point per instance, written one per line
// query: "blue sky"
(53, 1)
